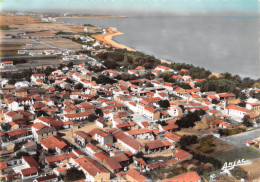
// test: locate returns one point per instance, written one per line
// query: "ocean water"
(218, 43)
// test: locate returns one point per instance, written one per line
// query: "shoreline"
(89, 16)
(107, 39)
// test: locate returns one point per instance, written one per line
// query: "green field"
(11, 45)
(8, 52)
(236, 154)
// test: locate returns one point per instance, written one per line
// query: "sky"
(121, 7)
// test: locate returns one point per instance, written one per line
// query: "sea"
(218, 43)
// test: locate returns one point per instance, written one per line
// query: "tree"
(215, 101)
(73, 174)
(12, 81)
(52, 165)
(162, 123)
(78, 86)
(242, 104)
(201, 112)
(20, 154)
(188, 120)
(149, 84)
(41, 113)
(188, 140)
(92, 118)
(99, 112)
(246, 121)
(164, 103)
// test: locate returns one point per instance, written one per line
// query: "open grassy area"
(8, 52)
(11, 45)
(236, 154)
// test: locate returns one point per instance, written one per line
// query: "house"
(133, 175)
(172, 137)
(169, 128)
(54, 142)
(62, 159)
(81, 138)
(143, 133)
(162, 68)
(30, 167)
(190, 177)
(157, 146)
(92, 149)
(253, 105)
(236, 112)
(101, 136)
(6, 64)
(20, 92)
(253, 117)
(47, 178)
(151, 113)
(116, 163)
(128, 142)
(224, 125)
(182, 155)
(92, 169)
(35, 77)
(77, 116)
(12, 115)
(17, 134)
(31, 172)
(44, 133)
(226, 96)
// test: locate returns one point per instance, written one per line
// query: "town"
(107, 114)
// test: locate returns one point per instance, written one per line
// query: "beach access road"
(240, 140)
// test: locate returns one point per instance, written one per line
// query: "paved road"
(240, 140)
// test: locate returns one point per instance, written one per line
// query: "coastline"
(107, 39)
(90, 16)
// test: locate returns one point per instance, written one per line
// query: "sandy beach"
(106, 39)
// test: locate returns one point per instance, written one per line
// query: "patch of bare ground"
(62, 43)
(189, 131)
(218, 146)
(253, 170)
(226, 179)
(164, 153)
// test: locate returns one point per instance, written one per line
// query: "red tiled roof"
(91, 166)
(54, 141)
(181, 154)
(38, 126)
(172, 136)
(82, 134)
(150, 109)
(11, 113)
(127, 140)
(114, 162)
(136, 175)
(138, 131)
(98, 132)
(77, 115)
(30, 161)
(226, 95)
(154, 144)
(101, 155)
(58, 158)
(3, 165)
(252, 115)
(29, 171)
(170, 127)
(238, 108)
(17, 132)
